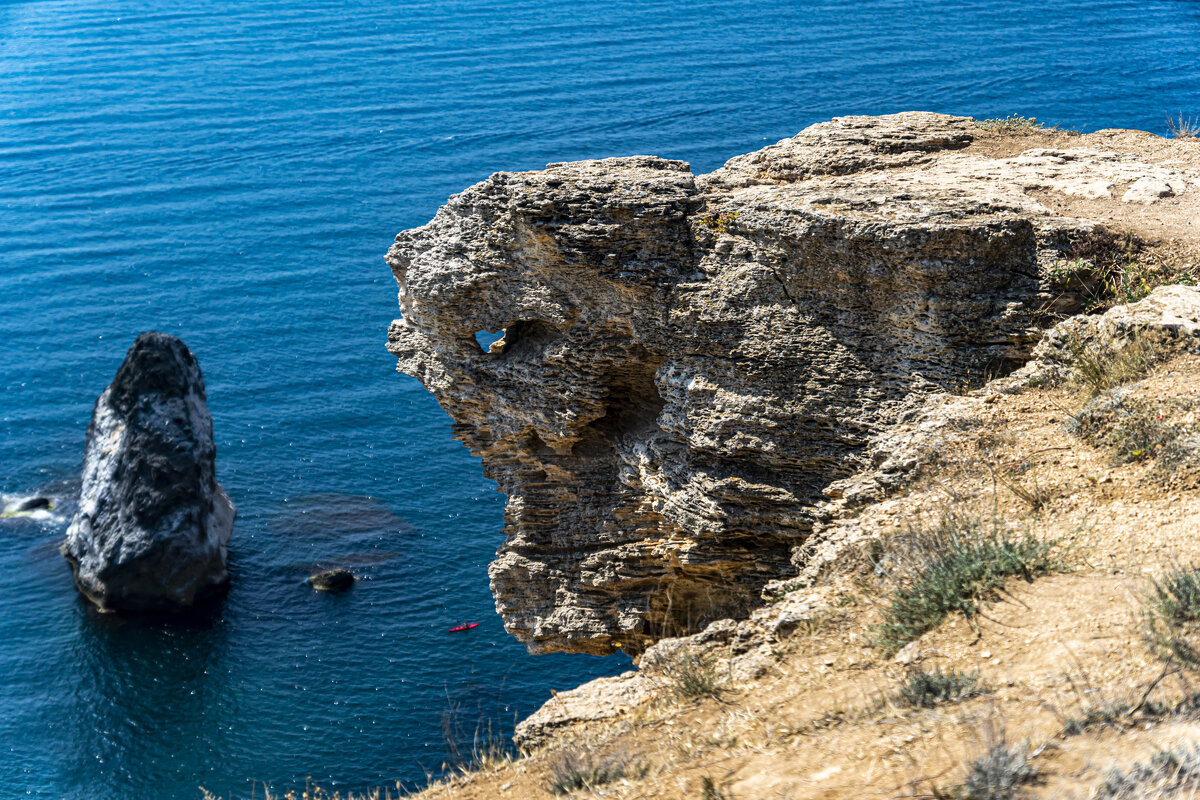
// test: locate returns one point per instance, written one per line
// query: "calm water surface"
(232, 173)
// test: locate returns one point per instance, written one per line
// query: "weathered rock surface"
(689, 362)
(153, 523)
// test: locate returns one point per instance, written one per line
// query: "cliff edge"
(691, 365)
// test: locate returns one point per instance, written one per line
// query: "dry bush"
(927, 689)
(1183, 127)
(582, 768)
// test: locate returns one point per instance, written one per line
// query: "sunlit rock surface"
(689, 361)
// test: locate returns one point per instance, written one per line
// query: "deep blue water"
(232, 173)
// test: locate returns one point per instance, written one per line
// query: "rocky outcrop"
(153, 523)
(688, 362)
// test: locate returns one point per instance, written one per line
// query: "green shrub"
(923, 689)
(1013, 124)
(1113, 268)
(1171, 616)
(999, 774)
(955, 567)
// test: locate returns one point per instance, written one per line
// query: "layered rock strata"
(687, 362)
(153, 523)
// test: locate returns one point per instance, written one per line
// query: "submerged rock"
(688, 361)
(153, 523)
(332, 580)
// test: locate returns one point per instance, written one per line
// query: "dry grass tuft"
(580, 768)
(693, 675)
(1098, 366)
(1183, 127)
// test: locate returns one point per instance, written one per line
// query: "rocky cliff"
(689, 362)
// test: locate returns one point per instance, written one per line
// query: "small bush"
(582, 769)
(1112, 268)
(1130, 429)
(1024, 485)
(1171, 616)
(1099, 367)
(1183, 127)
(923, 689)
(719, 221)
(1013, 124)
(955, 567)
(693, 675)
(1096, 716)
(999, 774)
(1170, 773)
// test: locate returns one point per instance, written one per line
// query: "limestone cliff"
(688, 362)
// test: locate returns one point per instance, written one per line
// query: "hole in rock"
(485, 339)
(527, 338)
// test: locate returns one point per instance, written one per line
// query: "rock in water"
(153, 523)
(34, 504)
(332, 580)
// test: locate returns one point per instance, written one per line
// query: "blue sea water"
(232, 173)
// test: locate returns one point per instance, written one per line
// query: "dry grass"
(1098, 367)
(583, 768)
(1182, 127)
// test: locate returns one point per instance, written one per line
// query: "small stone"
(332, 580)
(907, 654)
(1147, 190)
(34, 504)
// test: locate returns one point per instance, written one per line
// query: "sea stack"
(152, 527)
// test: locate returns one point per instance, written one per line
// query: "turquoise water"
(232, 173)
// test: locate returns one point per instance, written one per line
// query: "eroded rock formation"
(687, 362)
(153, 523)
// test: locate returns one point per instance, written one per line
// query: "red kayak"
(464, 627)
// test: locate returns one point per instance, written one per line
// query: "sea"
(233, 173)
